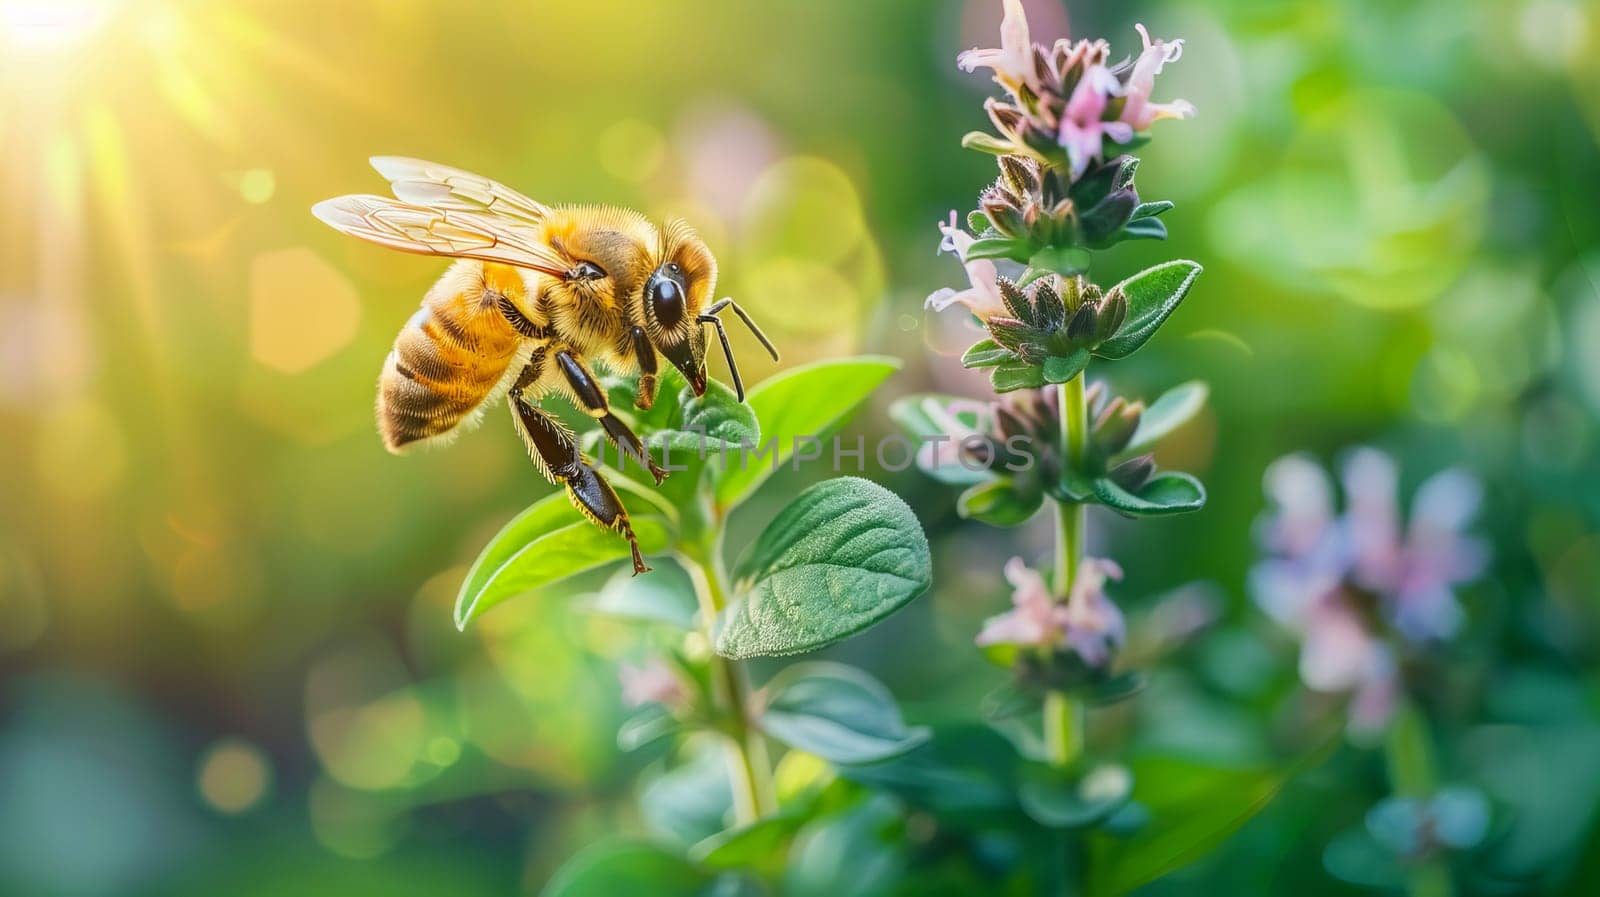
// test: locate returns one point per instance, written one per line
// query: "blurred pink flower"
(1326, 571)
(1087, 622)
(1083, 130)
(1013, 61)
(982, 297)
(652, 682)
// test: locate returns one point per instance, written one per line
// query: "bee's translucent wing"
(430, 230)
(441, 187)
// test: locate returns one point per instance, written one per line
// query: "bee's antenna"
(709, 316)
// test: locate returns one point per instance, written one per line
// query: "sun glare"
(50, 25)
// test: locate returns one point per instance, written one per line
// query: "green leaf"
(1007, 701)
(998, 502)
(1143, 229)
(758, 844)
(1053, 799)
(914, 414)
(665, 596)
(984, 142)
(1061, 368)
(717, 416)
(693, 800)
(997, 248)
(860, 853)
(1193, 809)
(652, 722)
(843, 555)
(625, 867)
(1016, 375)
(1171, 410)
(1118, 688)
(1064, 260)
(986, 353)
(1152, 294)
(978, 222)
(1151, 209)
(802, 401)
(1169, 492)
(837, 712)
(547, 543)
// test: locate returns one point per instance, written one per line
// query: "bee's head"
(671, 313)
(678, 308)
(675, 294)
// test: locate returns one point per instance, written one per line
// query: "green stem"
(749, 768)
(1064, 714)
(1408, 753)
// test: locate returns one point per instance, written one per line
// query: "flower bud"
(1048, 307)
(1113, 311)
(1020, 175)
(1080, 327)
(1133, 473)
(1007, 119)
(1002, 214)
(1115, 427)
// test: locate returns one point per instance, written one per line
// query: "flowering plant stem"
(1065, 714)
(1408, 754)
(749, 769)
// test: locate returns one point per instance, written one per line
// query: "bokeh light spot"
(302, 310)
(257, 185)
(234, 775)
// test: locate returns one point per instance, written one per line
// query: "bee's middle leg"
(556, 452)
(591, 398)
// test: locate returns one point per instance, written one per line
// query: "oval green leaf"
(1175, 407)
(803, 401)
(837, 712)
(999, 502)
(1165, 493)
(547, 543)
(1153, 294)
(843, 555)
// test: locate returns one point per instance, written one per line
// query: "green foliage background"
(203, 544)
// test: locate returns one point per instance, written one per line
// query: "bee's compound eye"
(666, 300)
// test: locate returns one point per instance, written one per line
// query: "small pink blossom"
(1083, 129)
(1138, 113)
(1087, 622)
(1013, 61)
(952, 418)
(652, 682)
(982, 297)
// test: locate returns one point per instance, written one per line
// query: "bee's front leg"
(555, 451)
(645, 354)
(591, 398)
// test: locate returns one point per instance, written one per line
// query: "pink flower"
(959, 420)
(1087, 622)
(1083, 131)
(1013, 61)
(1138, 112)
(652, 682)
(982, 297)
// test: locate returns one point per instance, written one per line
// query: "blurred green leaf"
(625, 867)
(999, 502)
(548, 542)
(760, 845)
(843, 555)
(1193, 809)
(1153, 294)
(803, 401)
(1174, 408)
(1169, 492)
(856, 854)
(665, 596)
(837, 712)
(693, 800)
(1356, 857)
(650, 723)
(1056, 799)
(1118, 688)
(914, 414)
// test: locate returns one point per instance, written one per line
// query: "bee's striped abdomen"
(451, 355)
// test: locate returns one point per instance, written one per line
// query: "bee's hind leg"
(555, 451)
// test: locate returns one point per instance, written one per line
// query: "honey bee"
(539, 294)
